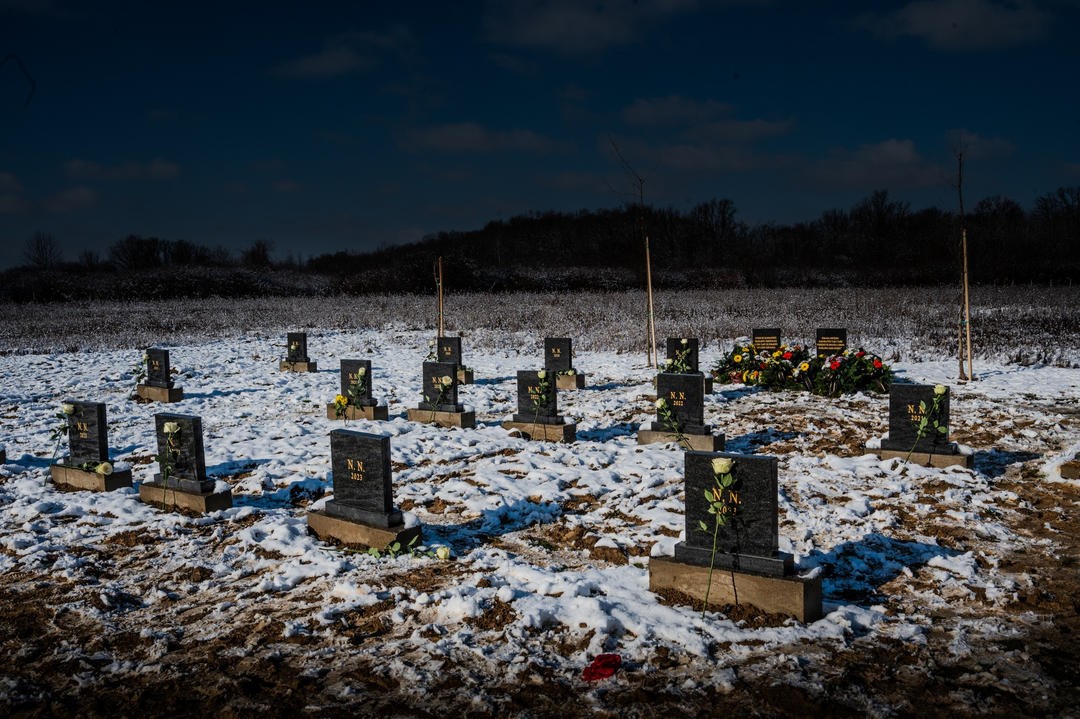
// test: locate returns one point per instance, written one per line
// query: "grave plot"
(919, 428)
(158, 386)
(680, 414)
(181, 481)
(559, 360)
(354, 400)
(439, 404)
(537, 415)
(296, 354)
(87, 465)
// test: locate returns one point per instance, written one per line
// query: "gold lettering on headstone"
(352, 377)
(446, 350)
(534, 394)
(677, 398)
(83, 429)
(155, 366)
(766, 342)
(555, 352)
(830, 343)
(914, 414)
(356, 469)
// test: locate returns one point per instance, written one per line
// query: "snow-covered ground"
(550, 543)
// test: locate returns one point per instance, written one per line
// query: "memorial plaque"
(185, 452)
(296, 349)
(88, 434)
(685, 348)
(766, 340)
(449, 350)
(831, 341)
(537, 399)
(437, 394)
(558, 354)
(363, 486)
(684, 398)
(905, 415)
(350, 375)
(157, 368)
(749, 540)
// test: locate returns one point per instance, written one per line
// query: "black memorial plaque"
(831, 341)
(749, 540)
(158, 373)
(357, 373)
(684, 398)
(558, 354)
(363, 485)
(185, 453)
(88, 434)
(766, 340)
(438, 394)
(537, 398)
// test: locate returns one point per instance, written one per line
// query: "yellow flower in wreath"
(737, 359)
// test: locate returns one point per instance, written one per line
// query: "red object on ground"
(602, 667)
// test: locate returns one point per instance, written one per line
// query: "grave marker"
(559, 360)
(831, 341)
(356, 381)
(180, 450)
(908, 404)
(362, 510)
(538, 409)
(88, 444)
(766, 340)
(747, 566)
(439, 399)
(296, 354)
(680, 414)
(448, 349)
(158, 386)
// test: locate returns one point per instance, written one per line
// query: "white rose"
(446, 380)
(104, 468)
(361, 372)
(939, 389)
(541, 374)
(443, 553)
(660, 403)
(721, 465)
(170, 428)
(684, 341)
(68, 408)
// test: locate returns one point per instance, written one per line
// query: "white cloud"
(71, 200)
(976, 146)
(962, 24)
(893, 164)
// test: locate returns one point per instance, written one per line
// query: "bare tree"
(41, 251)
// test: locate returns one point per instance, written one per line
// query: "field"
(947, 591)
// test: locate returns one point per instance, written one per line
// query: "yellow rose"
(541, 374)
(341, 400)
(777, 353)
(939, 389)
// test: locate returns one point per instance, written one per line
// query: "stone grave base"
(157, 496)
(926, 459)
(465, 420)
(549, 432)
(708, 385)
(798, 597)
(570, 381)
(698, 442)
(465, 376)
(3, 456)
(1069, 470)
(326, 527)
(378, 412)
(298, 366)
(76, 478)
(159, 394)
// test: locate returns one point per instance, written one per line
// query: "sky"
(357, 126)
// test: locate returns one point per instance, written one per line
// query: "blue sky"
(324, 128)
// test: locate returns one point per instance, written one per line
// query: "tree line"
(879, 241)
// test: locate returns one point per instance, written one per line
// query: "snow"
(266, 438)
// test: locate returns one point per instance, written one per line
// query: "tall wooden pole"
(967, 306)
(650, 349)
(439, 293)
(965, 317)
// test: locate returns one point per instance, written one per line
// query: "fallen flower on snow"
(602, 667)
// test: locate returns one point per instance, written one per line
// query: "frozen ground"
(948, 591)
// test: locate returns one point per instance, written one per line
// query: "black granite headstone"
(766, 340)
(449, 350)
(749, 540)
(687, 348)
(296, 350)
(905, 414)
(831, 341)
(684, 397)
(88, 434)
(439, 395)
(537, 399)
(157, 368)
(363, 486)
(558, 354)
(185, 451)
(350, 374)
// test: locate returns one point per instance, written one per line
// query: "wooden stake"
(965, 316)
(439, 294)
(967, 305)
(650, 325)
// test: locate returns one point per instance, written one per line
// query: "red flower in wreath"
(860, 354)
(787, 355)
(834, 365)
(877, 364)
(761, 366)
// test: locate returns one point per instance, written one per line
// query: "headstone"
(537, 399)
(185, 451)
(449, 350)
(558, 354)
(296, 350)
(686, 348)
(748, 542)
(905, 414)
(439, 395)
(684, 397)
(363, 487)
(88, 434)
(831, 341)
(350, 373)
(766, 340)
(157, 368)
